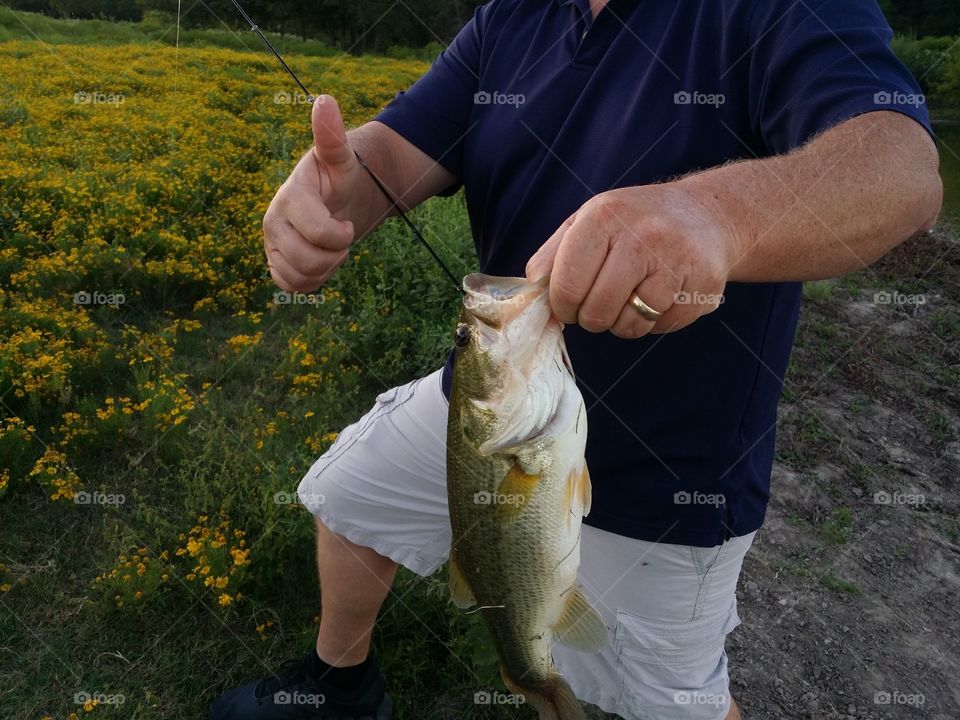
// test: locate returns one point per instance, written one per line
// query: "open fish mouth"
(495, 301)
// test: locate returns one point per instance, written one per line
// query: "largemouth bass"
(518, 486)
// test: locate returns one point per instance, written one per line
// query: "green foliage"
(371, 26)
(929, 59)
(923, 17)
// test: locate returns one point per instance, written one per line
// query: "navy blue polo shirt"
(536, 108)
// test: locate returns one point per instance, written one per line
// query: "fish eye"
(461, 337)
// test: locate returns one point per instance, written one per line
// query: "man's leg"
(734, 713)
(354, 582)
(669, 609)
(379, 498)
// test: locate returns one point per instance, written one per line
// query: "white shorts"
(382, 485)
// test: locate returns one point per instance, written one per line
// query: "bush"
(932, 60)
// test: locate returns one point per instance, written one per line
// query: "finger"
(625, 266)
(289, 278)
(329, 135)
(540, 264)
(656, 290)
(688, 306)
(580, 255)
(304, 256)
(305, 210)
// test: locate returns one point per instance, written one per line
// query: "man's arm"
(409, 174)
(836, 204)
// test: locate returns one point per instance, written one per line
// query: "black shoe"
(292, 694)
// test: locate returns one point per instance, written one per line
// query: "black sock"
(342, 678)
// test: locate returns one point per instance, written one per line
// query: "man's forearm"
(831, 207)
(409, 174)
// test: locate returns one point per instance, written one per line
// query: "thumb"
(329, 136)
(540, 265)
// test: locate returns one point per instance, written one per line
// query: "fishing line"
(394, 202)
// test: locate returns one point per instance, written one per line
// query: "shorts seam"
(705, 582)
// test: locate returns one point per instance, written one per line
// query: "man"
(677, 168)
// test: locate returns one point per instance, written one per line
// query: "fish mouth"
(496, 301)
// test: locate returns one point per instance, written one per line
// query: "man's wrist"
(723, 210)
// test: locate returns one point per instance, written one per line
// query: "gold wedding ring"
(645, 310)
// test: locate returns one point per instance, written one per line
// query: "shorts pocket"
(661, 664)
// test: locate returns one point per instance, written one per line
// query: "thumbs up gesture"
(307, 229)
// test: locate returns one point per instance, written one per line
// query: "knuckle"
(592, 323)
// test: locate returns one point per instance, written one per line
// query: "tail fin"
(553, 701)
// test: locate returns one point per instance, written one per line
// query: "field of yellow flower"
(159, 399)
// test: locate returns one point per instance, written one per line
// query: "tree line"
(375, 25)
(361, 27)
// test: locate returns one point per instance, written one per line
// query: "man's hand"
(658, 241)
(307, 230)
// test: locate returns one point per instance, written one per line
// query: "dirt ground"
(850, 597)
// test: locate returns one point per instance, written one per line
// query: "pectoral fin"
(515, 491)
(460, 591)
(579, 495)
(580, 627)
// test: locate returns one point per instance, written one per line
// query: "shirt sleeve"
(434, 113)
(816, 64)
